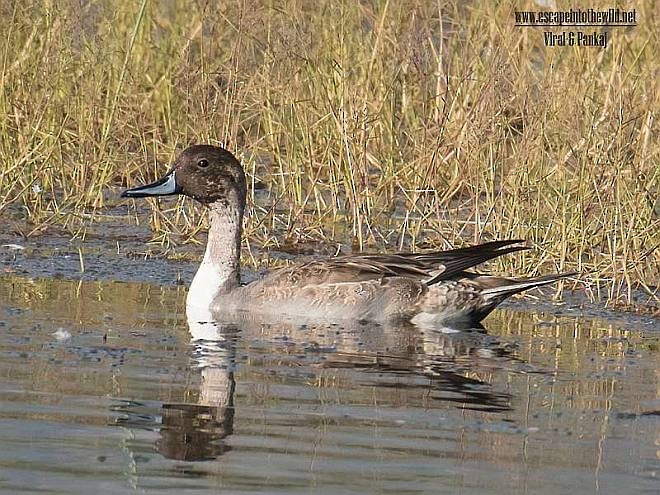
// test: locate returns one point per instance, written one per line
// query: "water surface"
(104, 389)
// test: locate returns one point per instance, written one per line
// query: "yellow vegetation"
(384, 124)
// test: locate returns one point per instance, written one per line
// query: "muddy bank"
(118, 250)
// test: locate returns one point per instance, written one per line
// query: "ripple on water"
(102, 388)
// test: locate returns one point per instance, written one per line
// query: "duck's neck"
(220, 270)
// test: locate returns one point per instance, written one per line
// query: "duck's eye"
(203, 163)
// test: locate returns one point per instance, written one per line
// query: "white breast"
(205, 286)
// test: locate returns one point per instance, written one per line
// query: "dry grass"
(382, 124)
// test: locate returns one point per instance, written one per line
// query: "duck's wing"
(429, 268)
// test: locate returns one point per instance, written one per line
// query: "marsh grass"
(380, 125)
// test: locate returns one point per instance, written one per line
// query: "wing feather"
(429, 267)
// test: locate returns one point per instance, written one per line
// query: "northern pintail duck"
(433, 287)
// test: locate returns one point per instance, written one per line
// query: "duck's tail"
(515, 286)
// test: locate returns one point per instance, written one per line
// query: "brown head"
(209, 174)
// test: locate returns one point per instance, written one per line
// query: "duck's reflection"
(445, 364)
(195, 432)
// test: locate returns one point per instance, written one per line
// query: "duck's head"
(209, 174)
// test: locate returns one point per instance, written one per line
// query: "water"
(103, 389)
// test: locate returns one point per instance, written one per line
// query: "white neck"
(220, 270)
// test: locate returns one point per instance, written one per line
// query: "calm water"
(103, 389)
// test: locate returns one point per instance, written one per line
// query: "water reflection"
(109, 383)
(429, 361)
(196, 432)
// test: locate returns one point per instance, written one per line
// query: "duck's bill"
(162, 187)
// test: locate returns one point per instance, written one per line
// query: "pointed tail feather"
(516, 286)
(449, 263)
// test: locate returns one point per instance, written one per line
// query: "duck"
(429, 288)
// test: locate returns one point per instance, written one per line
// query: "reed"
(380, 125)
